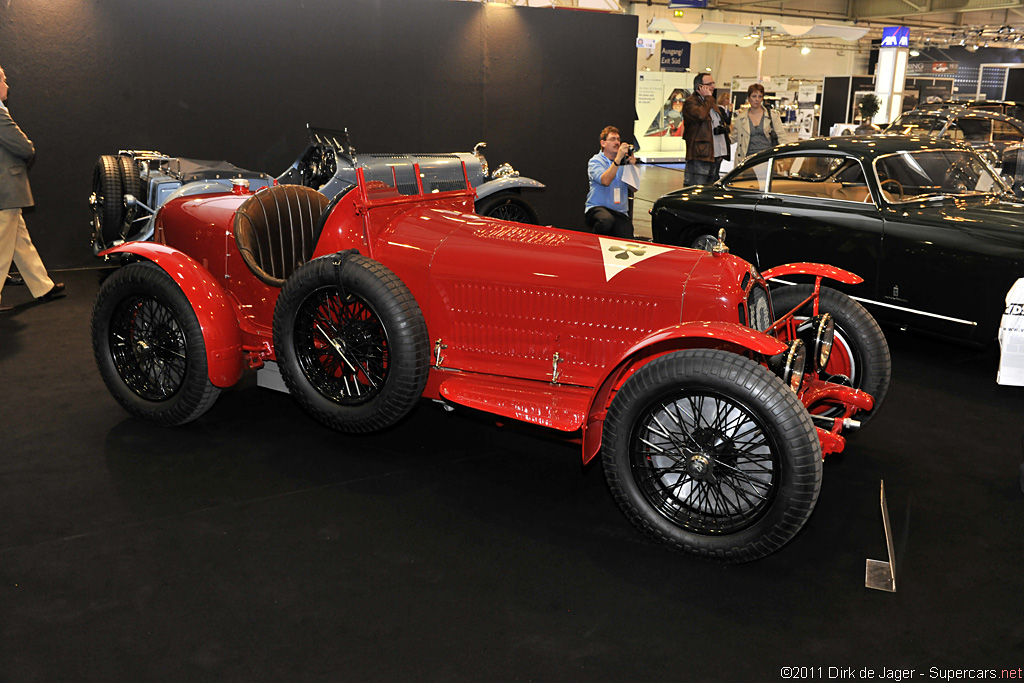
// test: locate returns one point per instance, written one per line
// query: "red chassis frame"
(235, 309)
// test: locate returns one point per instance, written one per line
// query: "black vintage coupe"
(935, 233)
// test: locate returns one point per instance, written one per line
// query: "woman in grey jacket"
(753, 127)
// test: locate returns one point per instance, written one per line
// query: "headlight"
(504, 171)
(817, 334)
(790, 364)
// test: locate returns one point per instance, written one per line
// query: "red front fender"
(210, 302)
(816, 269)
(677, 337)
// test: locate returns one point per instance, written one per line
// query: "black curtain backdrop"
(240, 79)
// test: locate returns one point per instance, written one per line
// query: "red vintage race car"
(710, 417)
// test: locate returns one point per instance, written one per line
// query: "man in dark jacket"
(706, 132)
(15, 194)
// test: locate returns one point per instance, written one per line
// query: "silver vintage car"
(129, 187)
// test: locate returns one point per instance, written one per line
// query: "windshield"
(910, 176)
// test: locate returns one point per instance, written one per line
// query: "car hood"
(500, 293)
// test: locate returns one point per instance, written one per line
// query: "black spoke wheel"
(351, 343)
(705, 462)
(860, 354)
(508, 206)
(149, 346)
(108, 209)
(710, 453)
(342, 346)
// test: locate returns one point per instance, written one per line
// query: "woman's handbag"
(772, 135)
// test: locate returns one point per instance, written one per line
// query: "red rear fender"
(210, 302)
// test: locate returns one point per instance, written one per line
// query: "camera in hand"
(720, 130)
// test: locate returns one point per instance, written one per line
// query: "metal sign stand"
(878, 574)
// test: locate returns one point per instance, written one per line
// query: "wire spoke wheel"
(506, 206)
(705, 462)
(342, 346)
(710, 453)
(510, 212)
(148, 348)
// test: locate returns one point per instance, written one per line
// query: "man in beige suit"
(15, 244)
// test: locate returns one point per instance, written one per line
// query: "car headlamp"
(817, 334)
(790, 365)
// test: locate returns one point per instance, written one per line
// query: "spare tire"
(130, 175)
(107, 200)
(351, 343)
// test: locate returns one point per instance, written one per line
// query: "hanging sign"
(896, 36)
(675, 55)
(932, 68)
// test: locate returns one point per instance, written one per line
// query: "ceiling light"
(760, 48)
(915, 53)
(805, 50)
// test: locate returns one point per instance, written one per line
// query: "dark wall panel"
(239, 80)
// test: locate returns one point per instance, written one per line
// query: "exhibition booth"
(336, 393)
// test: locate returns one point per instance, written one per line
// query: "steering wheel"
(317, 165)
(894, 183)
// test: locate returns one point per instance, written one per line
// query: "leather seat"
(277, 229)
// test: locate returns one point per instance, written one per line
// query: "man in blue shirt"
(607, 208)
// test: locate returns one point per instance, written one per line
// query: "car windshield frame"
(951, 186)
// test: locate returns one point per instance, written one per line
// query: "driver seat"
(277, 229)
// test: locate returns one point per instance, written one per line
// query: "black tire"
(321, 335)
(710, 453)
(860, 351)
(108, 204)
(149, 346)
(508, 206)
(130, 174)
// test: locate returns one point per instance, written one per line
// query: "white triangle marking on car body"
(618, 255)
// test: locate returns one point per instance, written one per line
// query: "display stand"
(878, 574)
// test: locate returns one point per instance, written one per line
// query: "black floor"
(255, 545)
